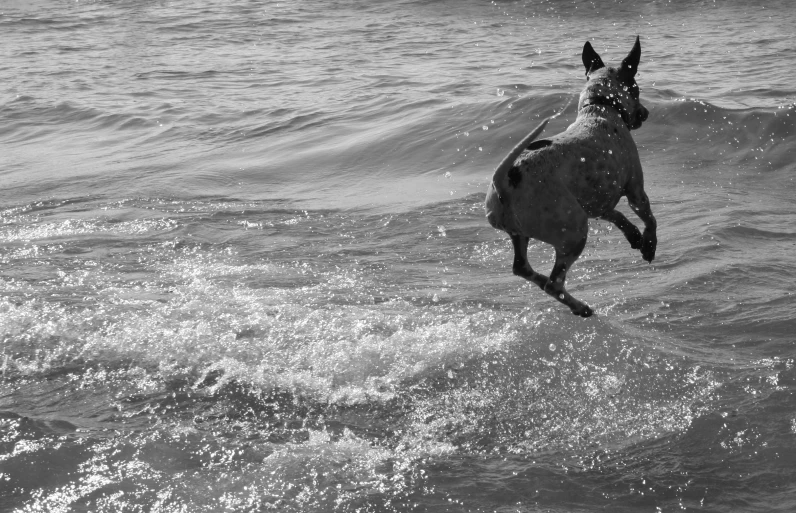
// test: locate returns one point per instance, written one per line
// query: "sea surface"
(244, 263)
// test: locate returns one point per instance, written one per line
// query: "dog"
(547, 189)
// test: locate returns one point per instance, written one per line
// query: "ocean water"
(244, 263)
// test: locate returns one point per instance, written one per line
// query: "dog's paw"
(583, 311)
(648, 246)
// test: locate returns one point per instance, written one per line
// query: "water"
(245, 265)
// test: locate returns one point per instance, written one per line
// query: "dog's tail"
(496, 207)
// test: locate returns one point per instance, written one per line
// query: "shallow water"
(244, 264)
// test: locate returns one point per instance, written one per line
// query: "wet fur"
(547, 189)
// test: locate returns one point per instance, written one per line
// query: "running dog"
(548, 189)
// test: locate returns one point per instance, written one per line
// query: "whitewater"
(245, 266)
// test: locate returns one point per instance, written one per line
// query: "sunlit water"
(244, 264)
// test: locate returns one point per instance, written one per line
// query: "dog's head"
(614, 87)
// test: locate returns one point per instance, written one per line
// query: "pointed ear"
(591, 60)
(630, 63)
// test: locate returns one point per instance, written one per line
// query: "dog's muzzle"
(639, 117)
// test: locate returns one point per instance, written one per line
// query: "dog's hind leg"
(632, 234)
(640, 203)
(555, 284)
(521, 267)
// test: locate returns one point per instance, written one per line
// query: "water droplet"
(583, 159)
(610, 152)
(435, 298)
(447, 174)
(485, 127)
(552, 347)
(480, 149)
(500, 93)
(467, 134)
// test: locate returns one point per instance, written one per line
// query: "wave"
(365, 150)
(719, 133)
(348, 330)
(28, 119)
(365, 341)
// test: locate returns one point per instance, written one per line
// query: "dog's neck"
(603, 101)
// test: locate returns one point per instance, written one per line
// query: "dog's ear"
(591, 60)
(630, 63)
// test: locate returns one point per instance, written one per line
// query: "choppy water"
(244, 264)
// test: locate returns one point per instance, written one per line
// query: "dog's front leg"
(640, 203)
(632, 234)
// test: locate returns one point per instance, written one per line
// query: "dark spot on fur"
(514, 176)
(615, 131)
(541, 143)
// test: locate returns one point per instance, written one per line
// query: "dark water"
(244, 264)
